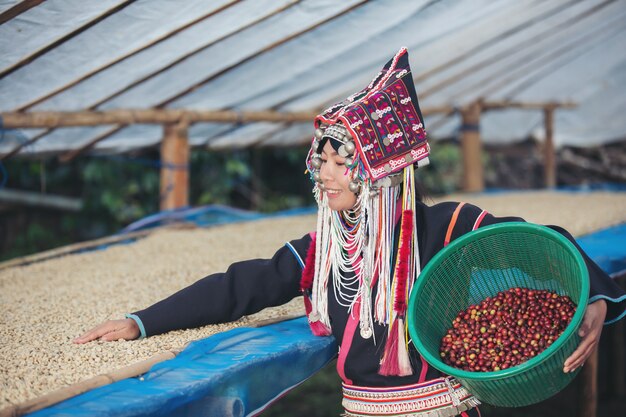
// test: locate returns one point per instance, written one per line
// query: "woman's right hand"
(111, 330)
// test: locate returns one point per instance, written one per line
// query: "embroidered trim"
(441, 397)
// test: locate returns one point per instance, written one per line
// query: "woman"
(373, 237)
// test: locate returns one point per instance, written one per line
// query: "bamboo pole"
(471, 148)
(175, 166)
(36, 199)
(51, 119)
(549, 155)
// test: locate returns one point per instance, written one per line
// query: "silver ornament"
(349, 161)
(354, 186)
(318, 133)
(342, 152)
(317, 177)
(366, 332)
(350, 147)
(316, 162)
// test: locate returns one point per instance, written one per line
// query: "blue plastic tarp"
(607, 248)
(235, 373)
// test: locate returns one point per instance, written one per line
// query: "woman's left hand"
(590, 331)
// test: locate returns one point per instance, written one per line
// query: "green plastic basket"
(480, 264)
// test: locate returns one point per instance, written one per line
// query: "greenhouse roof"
(295, 56)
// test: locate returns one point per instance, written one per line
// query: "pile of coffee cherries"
(506, 330)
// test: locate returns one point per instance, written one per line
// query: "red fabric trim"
(424, 370)
(453, 220)
(346, 343)
(479, 220)
(308, 273)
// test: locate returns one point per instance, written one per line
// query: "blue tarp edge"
(236, 372)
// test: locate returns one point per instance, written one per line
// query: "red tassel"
(402, 265)
(389, 363)
(317, 327)
(395, 361)
(308, 272)
(306, 282)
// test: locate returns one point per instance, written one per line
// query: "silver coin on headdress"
(350, 147)
(316, 162)
(354, 186)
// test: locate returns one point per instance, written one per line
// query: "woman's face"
(335, 178)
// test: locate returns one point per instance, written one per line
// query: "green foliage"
(116, 191)
(445, 171)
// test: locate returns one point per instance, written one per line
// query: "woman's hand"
(111, 330)
(590, 331)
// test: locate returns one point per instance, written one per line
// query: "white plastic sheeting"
(290, 55)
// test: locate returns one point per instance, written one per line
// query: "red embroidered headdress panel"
(385, 120)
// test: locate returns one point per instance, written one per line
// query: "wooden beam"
(525, 105)
(175, 166)
(53, 119)
(34, 199)
(18, 9)
(123, 57)
(63, 39)
(549, 155)
(471, 148)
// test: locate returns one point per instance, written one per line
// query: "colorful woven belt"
(441, 397)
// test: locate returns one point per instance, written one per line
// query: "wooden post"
(549, 158)
(473, 180)
(588, 387)
(174, 166)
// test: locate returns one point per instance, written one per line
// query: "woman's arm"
(245, 288)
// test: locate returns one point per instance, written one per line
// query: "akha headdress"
(380, 131)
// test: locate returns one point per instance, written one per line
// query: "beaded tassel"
(395, 360)
(317, 327)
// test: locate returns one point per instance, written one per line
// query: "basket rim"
(470, 237)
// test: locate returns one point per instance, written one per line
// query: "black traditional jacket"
(250, 286)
